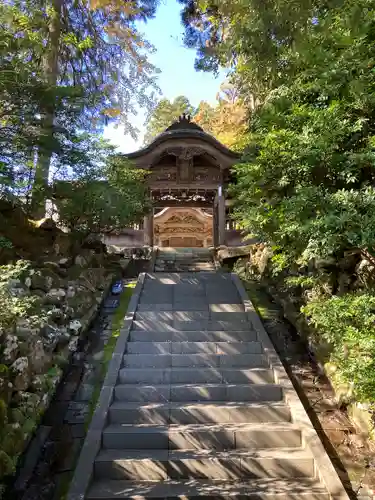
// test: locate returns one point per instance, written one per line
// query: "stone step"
(180, 265)
(198, 392)
(160, 465)
(195, 375)
(193, 325)
(153, 326)
(192, 360)
(157, 307)
(170, 316)
(157, 289)
(184, 261)
(223, 290)
(202, 436)
(154, 298)
(194, 347)
(174, 317)
(193, 336)
(213, 325)
(226, 308)
(189, 290)
(196, 413)
(254, 489)
(184, 267)
(193, 304)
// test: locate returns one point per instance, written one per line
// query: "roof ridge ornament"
(184, 118)
(184, 122)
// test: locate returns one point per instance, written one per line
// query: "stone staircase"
(184, 260)
(201, 405)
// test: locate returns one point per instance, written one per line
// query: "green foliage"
(253, 38)
(107, 197)
(21, 90)
(164, 114)
(6, 464)
(306, 181)
(18, 422)
(226, 120)
(3, 413)
(348, 324)
(302, 281)
(117, 323)
(59, 74)
(13, 307)
(5, 242)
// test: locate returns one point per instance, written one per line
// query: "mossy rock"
(12, 441)
(63, 244)
(89, 316)
(45, 279)
(17, 416)
(3, 413)
(81, 302)
(322, 351)
(51, 265)
(6, 464)
(5, 390)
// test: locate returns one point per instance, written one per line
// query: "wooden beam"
(182, 204)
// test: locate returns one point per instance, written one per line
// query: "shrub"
(347, 323)
(13, 307)
(5, 242)
(102, 199)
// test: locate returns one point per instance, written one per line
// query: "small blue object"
(117, 288)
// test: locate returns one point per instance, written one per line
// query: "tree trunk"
(48, 113)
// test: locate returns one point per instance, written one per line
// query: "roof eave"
(183, 134)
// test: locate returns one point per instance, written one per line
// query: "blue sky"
(176, 63)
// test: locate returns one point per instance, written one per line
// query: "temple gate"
(189, 172)
(183, 227)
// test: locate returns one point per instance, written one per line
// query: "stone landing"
(184, 260)
(196, 404)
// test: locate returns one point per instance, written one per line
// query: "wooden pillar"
(221, 216)
(215, 233)
(148, 227)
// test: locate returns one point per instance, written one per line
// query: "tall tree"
(93, 60)
(227, 120)
(306, 183)
(253, 38)
(164, 114)
(48, 108)
(22, 89)
(103, 193)
(205, 117)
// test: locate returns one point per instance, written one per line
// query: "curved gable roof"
(184, 129)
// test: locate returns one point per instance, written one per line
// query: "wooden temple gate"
(189, 172)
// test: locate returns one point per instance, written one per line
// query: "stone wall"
(45, 309)
(128, 238)
(135, 238)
